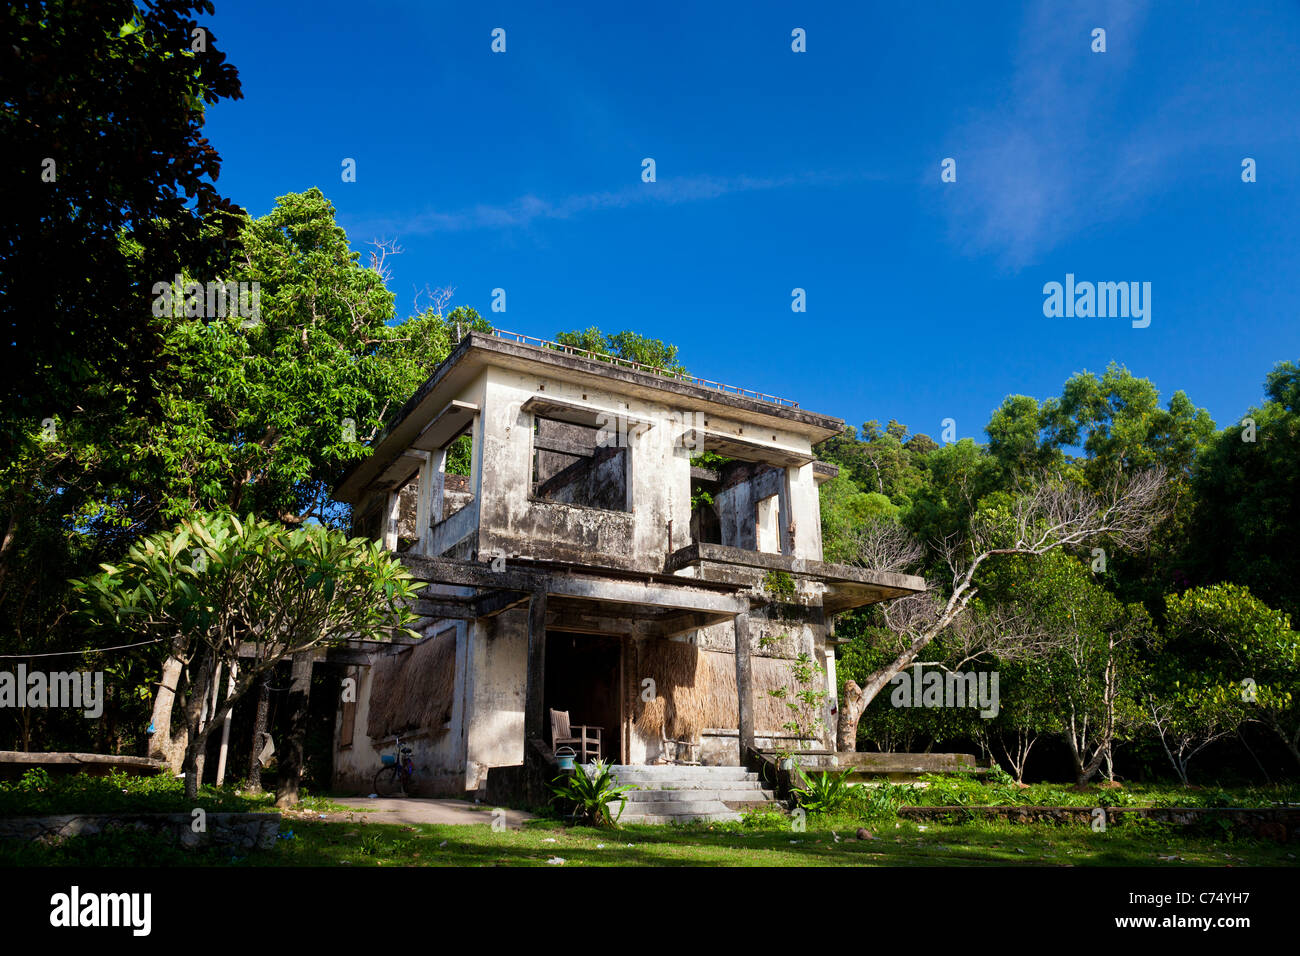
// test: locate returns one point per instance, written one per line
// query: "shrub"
(824, 792)
(590, 794)
(879, 802)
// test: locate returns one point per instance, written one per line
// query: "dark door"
(582, 677)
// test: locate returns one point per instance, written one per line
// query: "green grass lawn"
(762, 839)
(955, 790)
(360, 843)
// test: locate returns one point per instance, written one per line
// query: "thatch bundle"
(412, 690)
(696, 690)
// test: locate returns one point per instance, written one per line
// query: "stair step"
(677, 807)
(733, 795)
(729, 773)
(671, 769)
(643, 784)
(729, 816)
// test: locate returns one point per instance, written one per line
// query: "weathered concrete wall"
(455, 497)
(496, 673)
(744, 486)
(356, 763)
(437, 752)
(597, 482)
(514, 522)
(585, 520)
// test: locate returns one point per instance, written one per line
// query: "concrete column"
(832, 698)
(534, 717)
(744, 686)
(428, 510)
(805, 513)
(391, 514)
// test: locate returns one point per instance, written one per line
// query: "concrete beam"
(658, 591)
(701, 554)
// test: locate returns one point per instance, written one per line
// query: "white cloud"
(529, 209)
(1049, 160)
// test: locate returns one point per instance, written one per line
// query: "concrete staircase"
(677, 794)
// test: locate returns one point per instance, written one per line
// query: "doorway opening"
(584, 677)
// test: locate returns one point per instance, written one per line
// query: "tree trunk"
(846, 729)
(161, 744)
(259, 730)
(198, 738)
(857, 698)
(1289, 743)
(225, 726)
(286, 792)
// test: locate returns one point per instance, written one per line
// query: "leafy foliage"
(588, 793)
(625, 345)
(116, 95)
(215, 584)
(823, 792)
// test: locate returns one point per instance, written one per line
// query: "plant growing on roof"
(779, 584)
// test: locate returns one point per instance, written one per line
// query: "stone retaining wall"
(244, 831)
(1281, 824)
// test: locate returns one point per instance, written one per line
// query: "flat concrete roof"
(479, 350)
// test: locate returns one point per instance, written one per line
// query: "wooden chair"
(684, 752)
(586, 742)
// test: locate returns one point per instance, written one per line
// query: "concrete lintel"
(447, 425)
(629, 592)
(734, 446)
(579, 414)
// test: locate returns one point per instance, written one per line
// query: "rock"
(1272, 831)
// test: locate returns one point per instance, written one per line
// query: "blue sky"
(818, 170)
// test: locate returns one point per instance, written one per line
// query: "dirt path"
(416, 810)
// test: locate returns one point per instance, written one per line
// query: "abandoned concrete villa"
(586, 567)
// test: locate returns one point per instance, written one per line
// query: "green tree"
(1049, 515)
(256, 416)
(1247, 508)
(844, 509)
(215, 584)
(1226, 638)
(114, 95)
(1092, 678)
(1015, 437)
(1189, 717)
(1118, 421)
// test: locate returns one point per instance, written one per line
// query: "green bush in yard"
(823, 792)
(879, 801)
(591, 794)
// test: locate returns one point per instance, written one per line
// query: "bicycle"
(395, 775)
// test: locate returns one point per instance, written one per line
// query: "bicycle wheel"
(388, 782)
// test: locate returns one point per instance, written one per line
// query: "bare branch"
(379, 256)
(885, 545)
